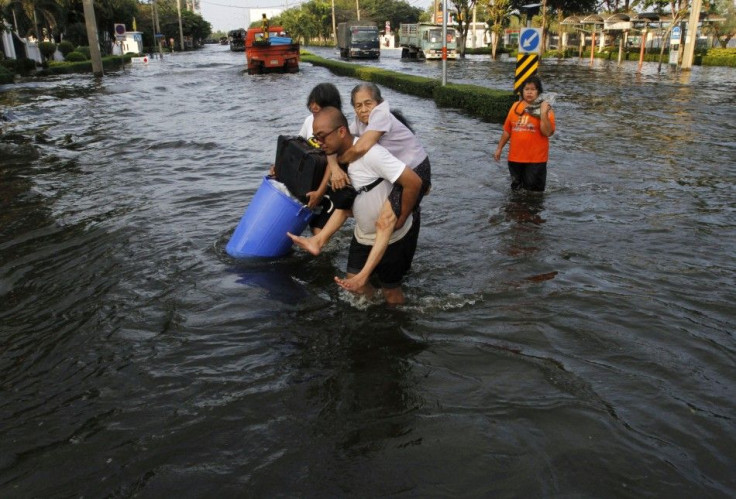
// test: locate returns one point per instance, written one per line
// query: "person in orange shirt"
(529, 125)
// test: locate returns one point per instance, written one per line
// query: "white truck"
(424, 41)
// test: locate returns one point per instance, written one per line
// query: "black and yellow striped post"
(526, 66)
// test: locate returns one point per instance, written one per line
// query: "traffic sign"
(120, 31)
(530, 41)
(675, 35)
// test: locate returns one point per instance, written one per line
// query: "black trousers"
(529, 176)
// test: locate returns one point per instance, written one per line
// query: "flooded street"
(575, 344)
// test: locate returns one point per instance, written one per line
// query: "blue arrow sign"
(529, 40)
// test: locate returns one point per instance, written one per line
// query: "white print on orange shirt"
(523, 124)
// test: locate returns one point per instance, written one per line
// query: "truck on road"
(275, 53)
(358, 40)
(236, 40)
(424, 41)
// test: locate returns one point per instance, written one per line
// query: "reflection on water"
(561, 344)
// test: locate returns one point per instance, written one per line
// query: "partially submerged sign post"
(530, 49)
(527, 59)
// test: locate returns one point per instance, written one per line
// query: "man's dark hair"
(337, 118)
(324, 95)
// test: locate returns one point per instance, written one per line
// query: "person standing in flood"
(529, 125)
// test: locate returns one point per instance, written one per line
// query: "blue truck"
(358, 40)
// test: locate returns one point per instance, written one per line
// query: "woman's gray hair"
(371, 87)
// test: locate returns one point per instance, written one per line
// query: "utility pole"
(181, 30)
(357, 9)
(444, 42)
(94, 42)
(334, 29)
(692, 35)
(156, 29)
(475, 34)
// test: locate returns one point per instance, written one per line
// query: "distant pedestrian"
(264, 26)
(529, 125)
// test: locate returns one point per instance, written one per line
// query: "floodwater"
(574, 344)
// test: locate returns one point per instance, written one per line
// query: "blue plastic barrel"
(262, 230)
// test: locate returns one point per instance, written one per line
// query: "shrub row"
(718, 57)
(711, 57)
(109, 62)
(20, 66)
(5, 76)
(485, 103)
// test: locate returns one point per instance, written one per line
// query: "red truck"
(275, 53)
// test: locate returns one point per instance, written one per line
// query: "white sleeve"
(306, 130)
(384, 163)
(380, 118)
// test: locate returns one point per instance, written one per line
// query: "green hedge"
(83, 49)
(47, 49)
(718, 57)
(711, 57)
(485, 103)
(66, 48)
(6, 76)
(75, 56)
(18, 66)
(110, 62)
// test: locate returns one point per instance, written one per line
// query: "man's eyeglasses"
(321, 138)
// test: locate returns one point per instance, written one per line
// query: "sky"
(225, 15)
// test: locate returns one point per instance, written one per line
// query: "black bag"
(299, 165)
(342, 199)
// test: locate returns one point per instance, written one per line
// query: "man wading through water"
(383, 244)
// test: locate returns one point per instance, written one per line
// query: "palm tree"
(26, 13)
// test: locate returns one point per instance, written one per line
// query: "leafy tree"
(678, 9)
(498, 15)
(76, 33)
(37, 17)
(463, 9)
(109, 12)
(724, 31)
(320, 12)
(66, 47)
(47, 49)
(393, 11)
(193, 25)
(568, 7)
(313, 19)
(299, 23)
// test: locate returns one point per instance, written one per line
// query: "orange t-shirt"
(528, 145)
